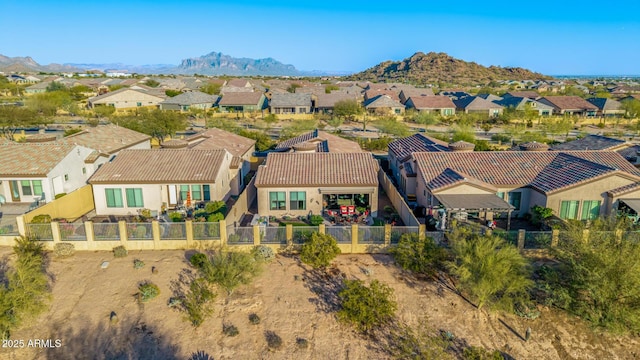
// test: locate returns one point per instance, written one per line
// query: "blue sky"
(553, 37)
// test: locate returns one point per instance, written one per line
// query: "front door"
(173, 195)
(15, 191)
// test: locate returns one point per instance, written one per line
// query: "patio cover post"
(508, 220)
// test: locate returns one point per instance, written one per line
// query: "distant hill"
(433, 67)
(217, 63)
(27, 64)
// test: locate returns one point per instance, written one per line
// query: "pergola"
(455, 203)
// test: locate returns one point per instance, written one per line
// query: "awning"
(474, 202)
(344, 190)
(632, 203)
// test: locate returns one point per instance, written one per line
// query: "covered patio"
(484, 204)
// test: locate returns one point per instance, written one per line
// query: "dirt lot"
(286, 298)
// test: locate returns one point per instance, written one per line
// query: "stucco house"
(242, 102)
(574, 184)
(325, 103)
(477, 105)
(607, 107)
(39, 171)
(437, 104)
(525, 103)
(299, 184)
(190, 100)
(569, 105)
(383, 104)
(126, 99)
(318, 141)
(288, 103)
(160, 179)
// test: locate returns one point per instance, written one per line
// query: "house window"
(297, 200)
(84, 170)
(590, 209)
(569, 209)
(134, 197)
(500, 194)
(26, 187)
(206, 192)
(139, 104)
(196, 192)
(114, 198)
(37, 187)
(277, 200)
(515, 199)
(66, 177)
(184, 192)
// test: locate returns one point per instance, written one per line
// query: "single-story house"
(569, 105)
(523, 94)
(326, 102)
(574, 184)
(190, 100)
(524, 103)
(159, 179)
(39, 171)
(242, 102)
(478, 105)
(383, 104)
(607, 107)
(318, 141)
(437, 104)
(125, 99)
(405, 94)
(299, 184)
(290, 103)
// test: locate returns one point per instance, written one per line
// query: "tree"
(172, 93)
(152, 83)
(103, 111)
(329, 88)
(319, 250)
(599, 275)
(292, 87)
(270, 120)
(161, 124)
(56, 86)
(418, 254)
(230, 269)
(631, 108)
(366, 307)
(490, 270)
(347, 109)
(424, 118)
(263, 141)
(47, 104)
(391, 126)
(211, 89)
(14, 117)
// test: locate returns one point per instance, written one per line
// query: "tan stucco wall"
(464, 189)
(70, 207)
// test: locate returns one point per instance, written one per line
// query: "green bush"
(120, 251)
(319, 250)
(176, 216)
(198, 302)
(41, 219)
(147, 291)
(316, 220)
(366, 307)
(138, 264)
(230, 330)
(140, 232)
(420, 255)
(254, 319)
(274, 341)
(302, 343)
(217, 217)
(58, 196)
(216, 207)
(27, 246)
(263, 253)
(198, 260)
(230, 269)
(63, 249)
(480, 353)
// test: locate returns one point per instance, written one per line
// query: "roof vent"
(462, 146)
(41, 138)
(174, 144)
(534, 146)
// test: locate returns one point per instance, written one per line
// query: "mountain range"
(420, 68)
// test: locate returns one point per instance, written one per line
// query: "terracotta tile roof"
(450, 177)
(525, 94)
(475, 103)
(318, 169)
(432, 102)
(624, 189)
(382, 101)
(547, 171)
(568, 103)
(190, 98)
(214, 138)
(329, 100)
(288, 100)
(324, 142)
(107, 139)
(31, 159)
(240, 98)
(590, 142)
(370, 94)
(606, 104)
(630, 153)
(162, 166)
(402, 148)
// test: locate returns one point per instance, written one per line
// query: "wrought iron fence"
(106, 231)
(206, 230)
(72, 232)
(173, 231)
(302, 233)
(370, 234)
(240, 235)
(509, 236)
(398, 231)
(537, 239)
(341, 233)
(40, 232)
(139, 231)
(273, 235)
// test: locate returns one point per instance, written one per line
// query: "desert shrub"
(319, 250)
(138, 264)
(254, 318)
(200, 213)
(316, 220)
(263, 253)
(480, 353)
(176, 216)
(147, 291)
(274, 341)
(63, 249)
(120, 251)
(420, 343)
(140, 232)
(366, 307)
(24, 291)
(230, 330)
(230, 269)
(198, 302)
(216, 217)
(420, 255)
(41, 219)
(302, 343)
(490, 270)
(198, 260)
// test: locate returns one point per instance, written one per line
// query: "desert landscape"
(291, 301)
